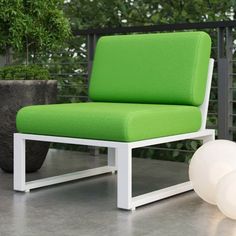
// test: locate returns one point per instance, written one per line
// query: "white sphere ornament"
(209, 164)
(226, 195)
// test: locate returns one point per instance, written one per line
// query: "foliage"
(69, 67)
(23, 72)
(105, 13)
(32, 26)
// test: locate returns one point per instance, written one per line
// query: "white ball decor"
(226, 195)
(209, 164)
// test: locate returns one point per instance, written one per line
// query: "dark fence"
(72, 67)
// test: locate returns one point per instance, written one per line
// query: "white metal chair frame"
(119, 158)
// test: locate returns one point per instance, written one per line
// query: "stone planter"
(15, 94)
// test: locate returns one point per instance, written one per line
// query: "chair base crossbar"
(68, 177)
(161, 194)
(119, 158)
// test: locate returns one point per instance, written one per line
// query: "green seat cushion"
(162, 68)
(109, 121)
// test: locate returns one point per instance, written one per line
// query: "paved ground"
(88, 207)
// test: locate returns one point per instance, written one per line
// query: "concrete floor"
(88, 207)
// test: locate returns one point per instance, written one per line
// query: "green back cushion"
(167, 68)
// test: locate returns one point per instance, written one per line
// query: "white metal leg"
(19, 163)
(111, 157)
(124, 178)
(208, 138)
(124, 185)
(20, 183)
(124, 188)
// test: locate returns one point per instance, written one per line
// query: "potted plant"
(29, 29)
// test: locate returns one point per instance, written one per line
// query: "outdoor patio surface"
(88, 207)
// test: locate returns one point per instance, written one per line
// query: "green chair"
(145, 90)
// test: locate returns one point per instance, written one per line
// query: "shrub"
(23, 72)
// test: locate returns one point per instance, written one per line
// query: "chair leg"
(124, 177)
(19, 163)
(208, 138)
(111, 157)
